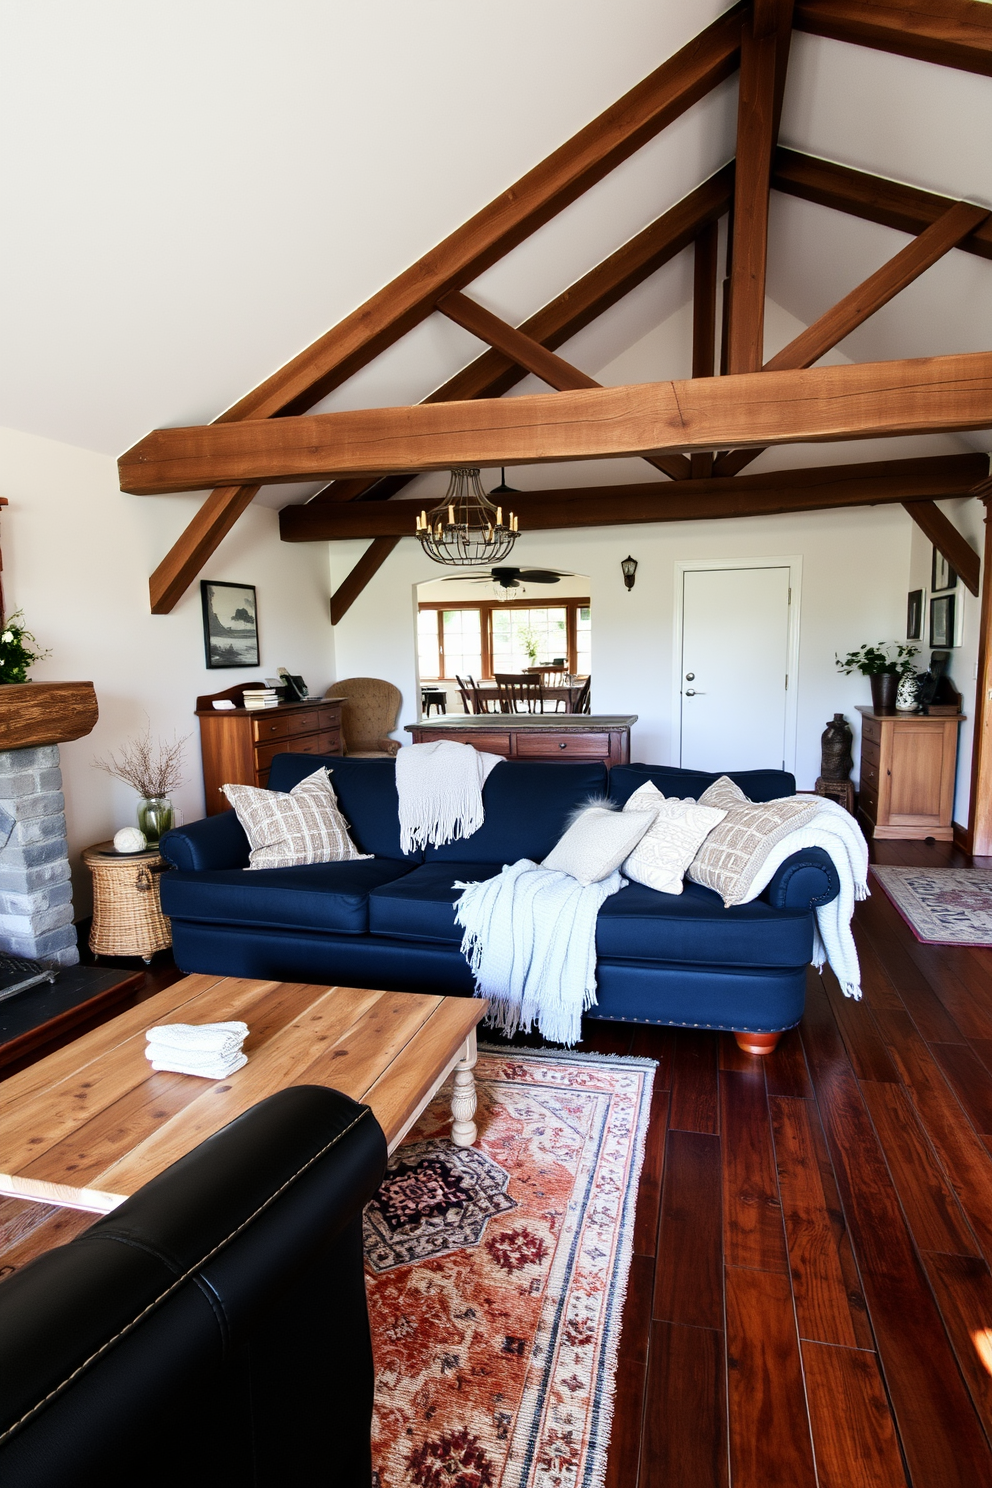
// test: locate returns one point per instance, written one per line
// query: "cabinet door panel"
(917, 768)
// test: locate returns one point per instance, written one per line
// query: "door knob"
(690, 676)
(690, 692)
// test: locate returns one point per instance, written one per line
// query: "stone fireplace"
(35, 891)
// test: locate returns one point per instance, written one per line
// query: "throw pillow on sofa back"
(597, 842)
(291, 829)
(677, 831)
(734, 852)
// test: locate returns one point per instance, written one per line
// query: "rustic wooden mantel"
(37, 713)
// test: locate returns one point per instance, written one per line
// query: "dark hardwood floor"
(813, 1235)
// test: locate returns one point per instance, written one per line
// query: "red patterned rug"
(497, 1273)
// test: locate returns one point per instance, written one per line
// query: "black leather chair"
(213, 1329)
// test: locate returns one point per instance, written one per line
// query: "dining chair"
(519, 692)
(582, 701)
(466, 688)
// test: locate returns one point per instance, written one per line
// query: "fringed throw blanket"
(440, 791)
(530, 939)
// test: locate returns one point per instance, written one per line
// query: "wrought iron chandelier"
(465, 528)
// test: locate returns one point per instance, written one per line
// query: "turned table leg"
(757, 1043)
(463, 1128)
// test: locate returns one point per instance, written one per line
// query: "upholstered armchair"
(368, 714)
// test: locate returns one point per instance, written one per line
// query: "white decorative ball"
(130, 839)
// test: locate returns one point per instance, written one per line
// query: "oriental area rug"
(942, 906)
(497, 1273)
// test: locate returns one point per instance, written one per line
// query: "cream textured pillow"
(671, 842)
(290, 830)
(597, 842)
(733, 853)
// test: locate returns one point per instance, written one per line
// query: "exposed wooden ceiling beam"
(861, 194)
(957, 223)
(494, 373)
(860, 401)
(200, 539)
(365, 569)
(955, 33)
(947, 540)
(762, 77)
(704, 278)
(536, 358)
(812, 489)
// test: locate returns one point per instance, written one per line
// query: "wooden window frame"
(487, 607)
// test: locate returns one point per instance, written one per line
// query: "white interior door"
(735, 661)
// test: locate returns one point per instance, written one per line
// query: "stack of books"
(260, 697)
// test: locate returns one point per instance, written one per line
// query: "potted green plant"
(882, 669)
(17, 653)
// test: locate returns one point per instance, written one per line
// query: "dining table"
(489, 693)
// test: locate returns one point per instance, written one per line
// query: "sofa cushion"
(757, 785)
(320, 896)
(528, 805)
(640, 924)
(366, 792)
(420, 906)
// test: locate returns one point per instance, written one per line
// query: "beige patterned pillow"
(733, 853)
(288, 830)
(597, 842)
(672, 840)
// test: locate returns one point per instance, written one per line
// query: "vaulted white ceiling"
(192, 193)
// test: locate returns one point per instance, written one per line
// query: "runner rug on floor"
(497, 1273)
(942, 906)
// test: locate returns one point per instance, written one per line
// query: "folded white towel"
(213, 1068)
(223, 1039)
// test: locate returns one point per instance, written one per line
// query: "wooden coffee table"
(88, 1125)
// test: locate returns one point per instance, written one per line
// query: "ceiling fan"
(510, 578)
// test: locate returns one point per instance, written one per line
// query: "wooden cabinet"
(535, 736)
(238, 744)
(908, 765)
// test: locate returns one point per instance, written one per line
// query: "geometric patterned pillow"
(734, 852)
(290, 829)
(663, 854)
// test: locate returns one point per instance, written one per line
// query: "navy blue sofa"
(388, 921)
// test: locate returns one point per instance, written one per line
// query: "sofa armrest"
(804, 881)
(215, 842)
(390, 746)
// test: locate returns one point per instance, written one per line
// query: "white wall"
(77, 554)
(854, 590)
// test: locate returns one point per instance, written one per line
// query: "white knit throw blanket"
(440, 791)
(530, 939)
(836, 831)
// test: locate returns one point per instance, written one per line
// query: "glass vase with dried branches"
(154, 770)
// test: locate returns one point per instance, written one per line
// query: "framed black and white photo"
(230, 624)
(942, 575)
(942, 621)
(914, 615)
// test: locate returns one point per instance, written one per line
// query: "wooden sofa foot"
(757, 1043)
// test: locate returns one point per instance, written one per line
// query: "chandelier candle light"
(465, 528)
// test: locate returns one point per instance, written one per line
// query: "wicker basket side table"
(127, 910)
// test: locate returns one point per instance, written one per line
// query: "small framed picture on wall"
(942, 621)
(942, 575)
(230, 624)
(914, 615)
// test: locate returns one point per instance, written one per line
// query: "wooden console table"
(908, 764)
(535, 736)
(238, 744)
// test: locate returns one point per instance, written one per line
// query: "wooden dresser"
(238, 743)
(535, 736)
(908, 764)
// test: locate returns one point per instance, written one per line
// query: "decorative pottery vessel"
(883, 692)
(154, 817)
(836, 760)
(908, 694)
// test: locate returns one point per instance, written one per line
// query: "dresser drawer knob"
(562, 746)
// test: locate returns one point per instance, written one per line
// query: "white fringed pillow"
(678, 830)
(734, 852)
(597, 842)
(291, 829)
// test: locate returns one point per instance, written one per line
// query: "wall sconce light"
(629, 566)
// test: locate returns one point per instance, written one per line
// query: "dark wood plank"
(689, 1273)
(657, 1044)
(868, 1054)
(785, 1068)
(752, 1210)
(695, 1104)
(947, 540)
(963, 1287)
(755, 143)
(704, 295)
(952, 33)
(769, 1428)
(823, 1307)
(930, 1205)
(632, 1360)
(600, 1037)
(854, 1440)
(685, 1420)
(28, 1230)
(649, 1186)
(970, 1081)
(941, 1436)
(886, 932)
